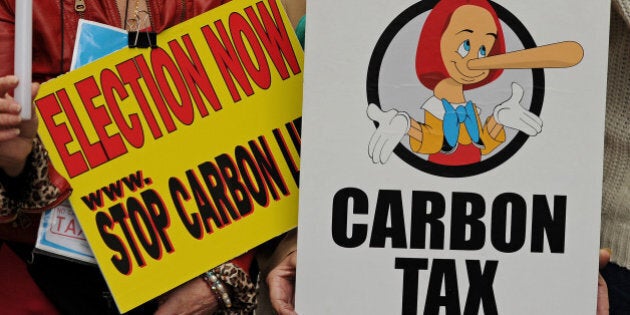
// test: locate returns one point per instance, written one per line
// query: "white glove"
(511, 114)
(392, 126)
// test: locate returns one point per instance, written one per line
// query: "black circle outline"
(410, 157)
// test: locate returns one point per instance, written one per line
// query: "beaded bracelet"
(217, 288)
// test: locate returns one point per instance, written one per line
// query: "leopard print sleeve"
(33, 191)
(43, 191)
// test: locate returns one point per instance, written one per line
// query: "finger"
(384, 152)
(388, 149)
(517, 92)
(292, 262)
(526, 128)
(372, 144)
(378, 149)
(375, 113)
(8, 105)
(10, 120)
(34, 89)
(375, 143)
(8, 83)
(604, 257)
(8, 134)
(532, 120)
(33, 117)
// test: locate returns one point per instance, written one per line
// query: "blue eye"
(464, 48)
(482, 52)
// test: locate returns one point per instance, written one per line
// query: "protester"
(615, 232)
(281, 279)
(28, 185)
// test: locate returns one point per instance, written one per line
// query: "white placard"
(509, 222)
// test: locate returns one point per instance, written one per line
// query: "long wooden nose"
(558, 55)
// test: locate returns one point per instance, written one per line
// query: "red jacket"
(54, 29)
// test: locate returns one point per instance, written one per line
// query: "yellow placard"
(184, 156)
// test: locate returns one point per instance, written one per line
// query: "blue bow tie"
(455, 116)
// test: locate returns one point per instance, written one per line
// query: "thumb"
(517, 92)
(34, 89)
(375, 113)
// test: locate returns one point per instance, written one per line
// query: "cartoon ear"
(557, 55)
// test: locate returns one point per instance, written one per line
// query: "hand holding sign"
(281, 281)
(392, 126)
(16, 135)
(511, 114)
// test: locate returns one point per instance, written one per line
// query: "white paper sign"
(59, 233)
(490, 202)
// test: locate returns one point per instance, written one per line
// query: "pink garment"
(20, 295)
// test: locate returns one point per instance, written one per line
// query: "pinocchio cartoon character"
(462, 47)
